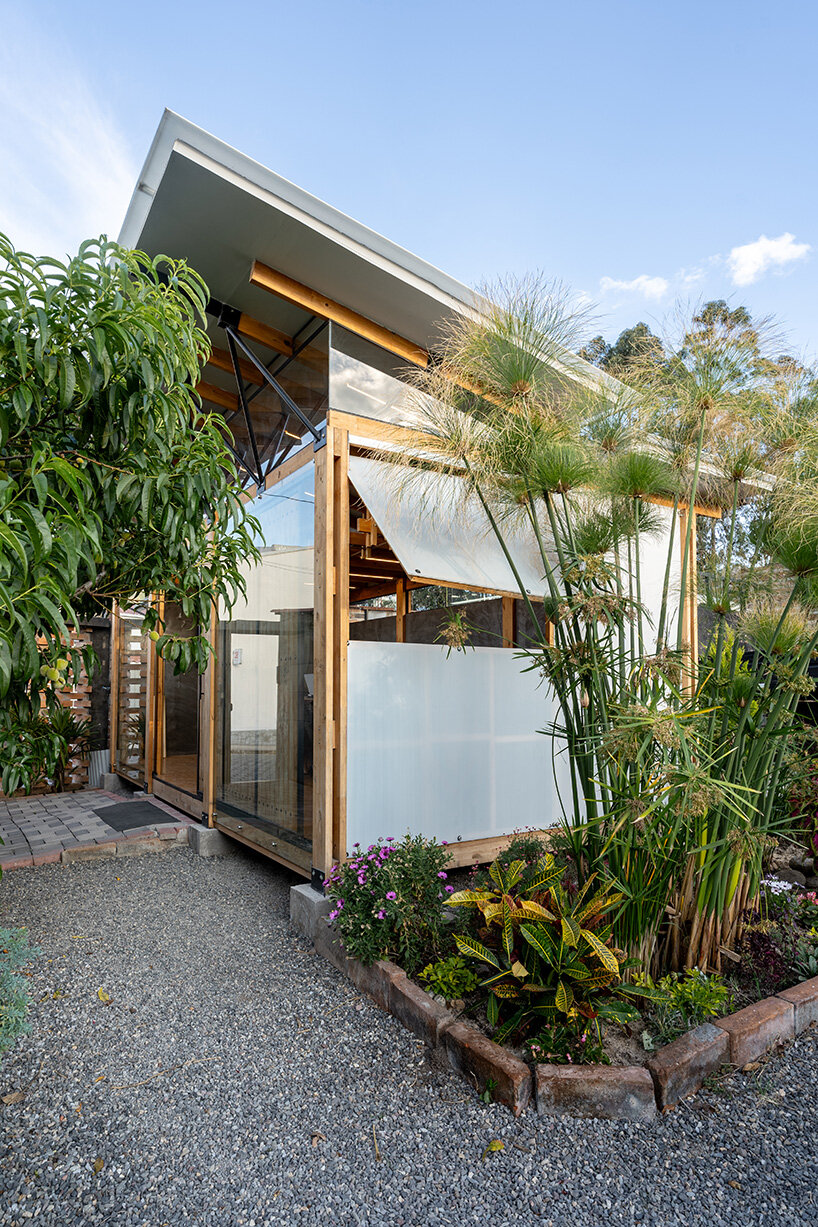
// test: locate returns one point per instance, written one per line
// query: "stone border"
(611, 1092)
(168, 835)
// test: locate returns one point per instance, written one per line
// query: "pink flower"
(442, 874)
(381, 914)
(361, 879)
(391, 894)
(449, 890)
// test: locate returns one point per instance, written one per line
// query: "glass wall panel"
(264, 739)
(132, 695)
(178, 746)
(365, 379)
(304, 377)
(448, 747)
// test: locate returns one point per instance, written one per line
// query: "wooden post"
(509, 611)
(113, 714)
(208, 742)
(400, 617)
(340, 531)
(323, 739)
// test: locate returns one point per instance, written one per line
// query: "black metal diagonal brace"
(245, 408)
(234, 340)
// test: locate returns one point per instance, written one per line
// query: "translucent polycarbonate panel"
(654, 556)
(365, 379)
(438, 534)
(447, 747)
(265, 672)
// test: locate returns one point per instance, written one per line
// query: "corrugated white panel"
(448, 747)
(438, 535)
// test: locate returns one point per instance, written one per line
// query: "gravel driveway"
(235, 1078)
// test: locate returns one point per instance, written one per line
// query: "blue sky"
(639, 152)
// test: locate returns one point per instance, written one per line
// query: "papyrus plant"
(673, 767)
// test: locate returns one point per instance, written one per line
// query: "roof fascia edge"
(178, 135)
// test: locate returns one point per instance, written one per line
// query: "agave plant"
(546, 954)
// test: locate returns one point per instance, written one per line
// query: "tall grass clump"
(675, 754)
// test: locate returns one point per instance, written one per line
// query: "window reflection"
(367, 380)
(265, 670)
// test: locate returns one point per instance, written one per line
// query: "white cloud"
(67, 171)
(752, 260)
(647, 287)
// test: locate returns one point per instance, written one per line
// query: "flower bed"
(513, 974)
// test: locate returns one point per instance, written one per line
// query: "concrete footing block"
(109, 781)
(308, 910)
(207, 841)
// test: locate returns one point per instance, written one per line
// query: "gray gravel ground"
(285, 1071)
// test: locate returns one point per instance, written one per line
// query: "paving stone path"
(43, 829)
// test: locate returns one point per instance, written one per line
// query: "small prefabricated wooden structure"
(324, 722)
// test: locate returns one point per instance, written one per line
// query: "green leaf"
(497, 873)
(564, 997)
(570, 930)
(475, 949)
(541, 941)
(606, 956)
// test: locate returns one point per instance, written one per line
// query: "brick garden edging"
(612, 1092)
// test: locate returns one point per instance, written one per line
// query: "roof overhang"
(200, 199)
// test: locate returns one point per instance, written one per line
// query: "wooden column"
(401, 596)
(113, 714)
(340, 639)
(208, 711)
(509, 612)
(324, 637)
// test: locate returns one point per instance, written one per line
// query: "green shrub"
(389, 901)
(681, 1002)
(450, 978)
(547, 954)
(14, 997)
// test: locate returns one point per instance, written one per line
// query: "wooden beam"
(217, 396)
(254, 330)
(715, 513)
(266, 278)
(220, 358)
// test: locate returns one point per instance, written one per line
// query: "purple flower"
(361, 879)
(442, 874)
(384, 854)
(391, 894)
(381, 914)
(356, 844)
(390, 839)
(449, 890)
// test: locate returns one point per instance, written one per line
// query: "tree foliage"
(113, 481)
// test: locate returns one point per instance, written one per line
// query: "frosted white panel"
(447, 747)
(437, 536)
(654, 550)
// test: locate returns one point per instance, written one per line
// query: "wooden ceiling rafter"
(274, 282)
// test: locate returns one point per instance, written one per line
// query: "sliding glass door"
(264, 734)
